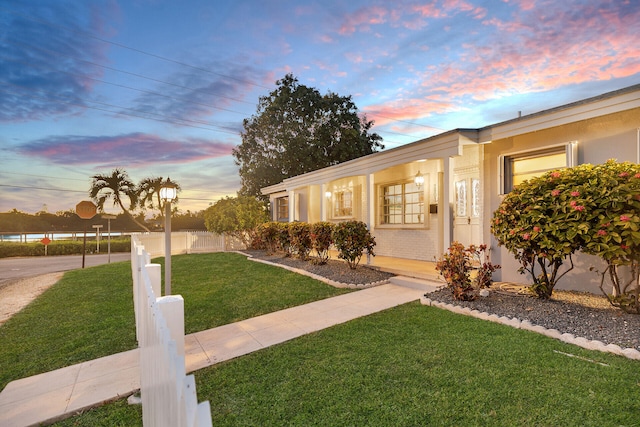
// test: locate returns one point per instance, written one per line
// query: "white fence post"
(168, 395)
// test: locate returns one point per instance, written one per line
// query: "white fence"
(188, 242)
(168, 394)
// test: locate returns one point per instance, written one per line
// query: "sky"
(160, 88)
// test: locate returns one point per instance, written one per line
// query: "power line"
(153, 55)
(29, 17)
(164, 118)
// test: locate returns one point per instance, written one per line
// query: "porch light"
(168, 193)
(419, 180)
(327, 194)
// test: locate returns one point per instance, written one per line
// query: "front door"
(466, 226)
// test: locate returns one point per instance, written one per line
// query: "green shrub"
(321, 240)
(284, 239)
(268, 235)
(300, 235)
(351, 239)
(456, 267)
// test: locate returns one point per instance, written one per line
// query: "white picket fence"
(168, 395)
(189, 242)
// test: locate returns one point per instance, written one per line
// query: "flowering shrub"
(321, 240)
(539, 222)
(595, 209)
(614, 235)
(352, 238)
(300, 239)
(456, 267)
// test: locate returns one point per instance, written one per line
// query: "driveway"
(22, 267)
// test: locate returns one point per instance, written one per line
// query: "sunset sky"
(161, 87)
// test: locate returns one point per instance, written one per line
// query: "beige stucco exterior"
(467, 162)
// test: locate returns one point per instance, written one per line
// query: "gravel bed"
(581, 314)
(334, 270)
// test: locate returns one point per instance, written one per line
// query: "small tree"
(321, 240)
(352, 238)
(236, 216)
(613, 200)
(539, 225)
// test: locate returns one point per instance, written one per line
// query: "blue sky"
(161, 87)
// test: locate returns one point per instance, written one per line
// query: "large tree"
(115, 187)
(297, 130)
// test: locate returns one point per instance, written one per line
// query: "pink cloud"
(362, 20)
(131, 149)
(543, 50)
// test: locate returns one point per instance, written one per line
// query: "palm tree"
(116, 186)
(149, 189)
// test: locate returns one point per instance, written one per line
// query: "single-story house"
(418, 198)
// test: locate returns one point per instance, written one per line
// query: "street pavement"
(22, 267)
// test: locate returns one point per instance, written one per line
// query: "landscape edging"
(514, 322)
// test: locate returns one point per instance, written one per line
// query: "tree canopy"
(297, 130)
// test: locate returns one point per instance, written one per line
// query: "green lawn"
(409, 366)
(413, 366)
(89, 313)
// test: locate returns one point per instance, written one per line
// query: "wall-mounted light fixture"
(327, 194)
(419, 180)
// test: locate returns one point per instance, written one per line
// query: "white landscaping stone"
(615, 349)
(568, 338)
(631, 353)
(554, 333)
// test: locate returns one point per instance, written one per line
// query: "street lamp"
(168, 193)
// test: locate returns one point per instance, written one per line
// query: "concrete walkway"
(61, 393)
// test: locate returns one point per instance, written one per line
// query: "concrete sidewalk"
(58, 394)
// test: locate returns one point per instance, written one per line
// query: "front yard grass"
(413, 366)
(89, 313)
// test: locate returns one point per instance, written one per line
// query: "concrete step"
(413, 283)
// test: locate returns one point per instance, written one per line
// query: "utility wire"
(29, 17)
(164, 119)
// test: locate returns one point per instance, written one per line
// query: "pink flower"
(605, 225)
(623, 174)
(555, 174)
(536, 229)
(602, 233)
(512, 232)
(637, 175)
(573, 203)
(526, 236)
(624, 218)
(555, 193)
(623, 246)
(575, 193)
(579, 208)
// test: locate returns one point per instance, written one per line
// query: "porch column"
(323, 202)
(447, 211)
(292, 206)
(370, 218)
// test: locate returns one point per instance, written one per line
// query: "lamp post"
(168, 193)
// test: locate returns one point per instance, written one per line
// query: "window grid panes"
(282, 204)
(402, 204)
(343, 204)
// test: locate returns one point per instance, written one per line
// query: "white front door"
(466, 225)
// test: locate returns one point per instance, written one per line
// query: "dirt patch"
(17, 294)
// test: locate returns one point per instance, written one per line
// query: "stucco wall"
(606, 137)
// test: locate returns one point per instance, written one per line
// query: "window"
(282, 209)
(520, 167)
(401, 204)
(343, 204)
